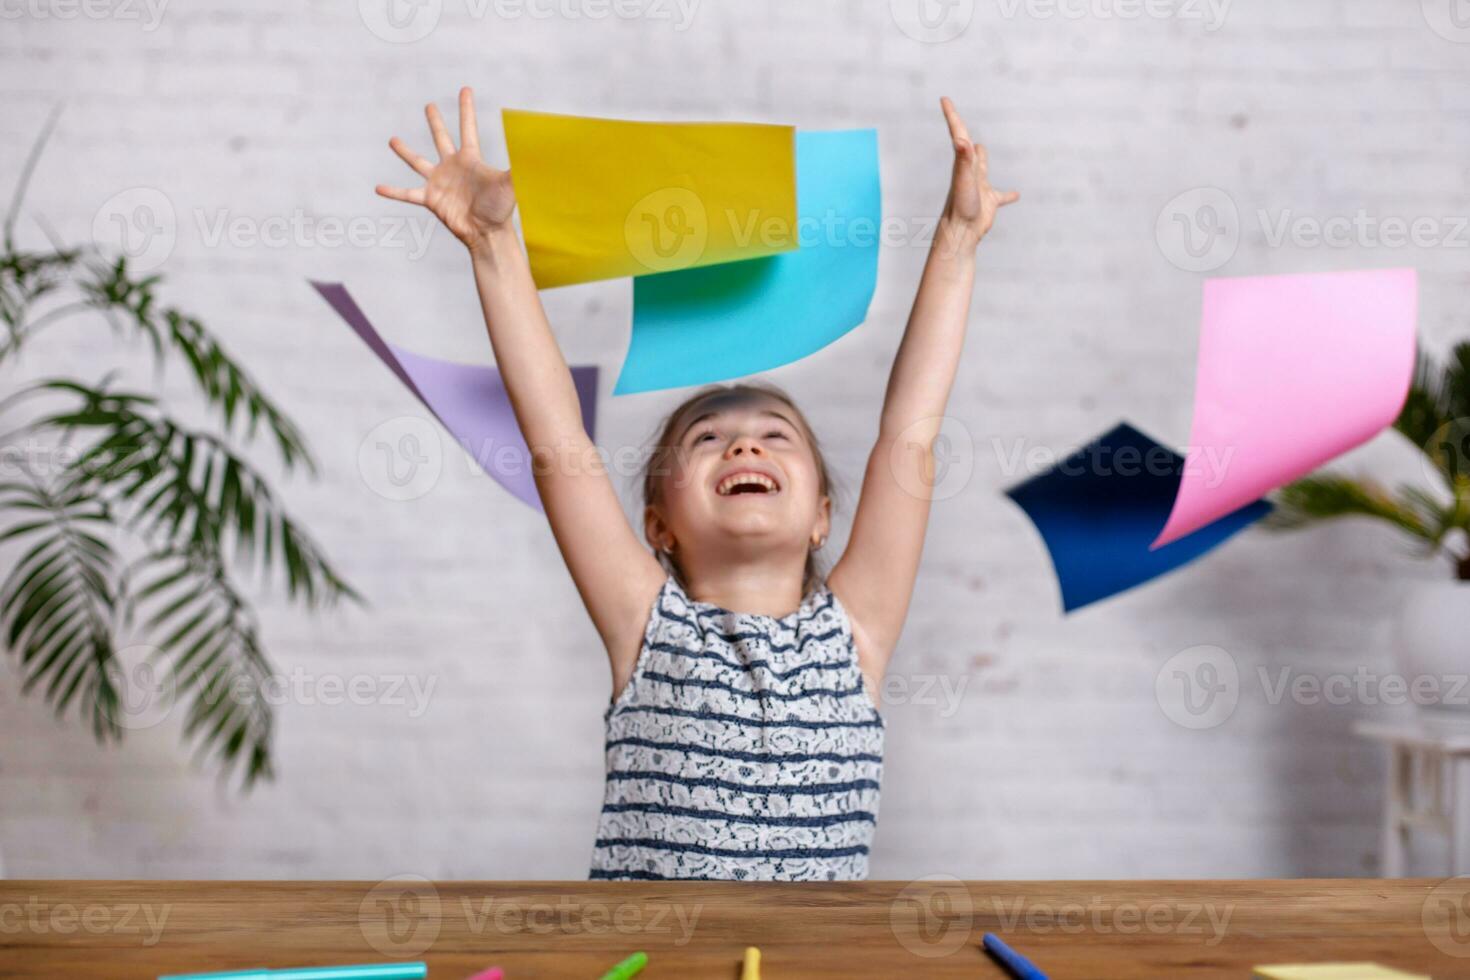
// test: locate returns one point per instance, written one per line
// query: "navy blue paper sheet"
(1099, 509)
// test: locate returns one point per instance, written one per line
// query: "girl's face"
(743, 479)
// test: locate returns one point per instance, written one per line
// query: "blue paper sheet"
(725, 321)
(1100, 509)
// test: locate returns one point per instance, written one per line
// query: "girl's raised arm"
(875, 576)
(616, 575)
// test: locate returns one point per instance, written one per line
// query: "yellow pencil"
(752, 969)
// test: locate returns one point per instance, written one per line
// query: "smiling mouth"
(746, 482)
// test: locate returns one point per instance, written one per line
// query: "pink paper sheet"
(1293, 371)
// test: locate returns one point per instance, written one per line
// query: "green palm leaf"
(1426, 409)
(57, 603)
(1457, 382)
(1436, 418)
(1324, 497)
(183, 489)
(132, 302)
(216, 668)
(198, 508)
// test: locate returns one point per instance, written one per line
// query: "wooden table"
(930, 927)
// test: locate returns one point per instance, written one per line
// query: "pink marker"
(494, 973)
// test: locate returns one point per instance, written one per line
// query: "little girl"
(743, 738)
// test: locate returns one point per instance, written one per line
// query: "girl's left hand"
(970, 209)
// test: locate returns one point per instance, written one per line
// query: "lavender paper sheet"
(469, 400)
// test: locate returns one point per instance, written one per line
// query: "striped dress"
(744, 747)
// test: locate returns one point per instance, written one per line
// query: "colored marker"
(494, 973)
(752, 967)
(386, 971)
(1019, 967)
(628, 968)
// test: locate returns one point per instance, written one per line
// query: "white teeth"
(744, 479)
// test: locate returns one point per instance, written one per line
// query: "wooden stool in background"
(1428, 789)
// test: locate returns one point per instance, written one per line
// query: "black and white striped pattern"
(743, 748)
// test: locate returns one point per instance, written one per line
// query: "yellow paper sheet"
(1334, 971)
(606, 198)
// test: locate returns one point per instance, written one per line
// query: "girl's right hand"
(471, 198)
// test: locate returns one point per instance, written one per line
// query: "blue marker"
(1018, 965)
(388, 971)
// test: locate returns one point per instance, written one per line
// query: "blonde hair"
(664, 452)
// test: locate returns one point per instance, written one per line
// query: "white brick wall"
(1057, 761)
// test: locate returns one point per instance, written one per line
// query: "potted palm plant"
(1433, 644)
(127, 529)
